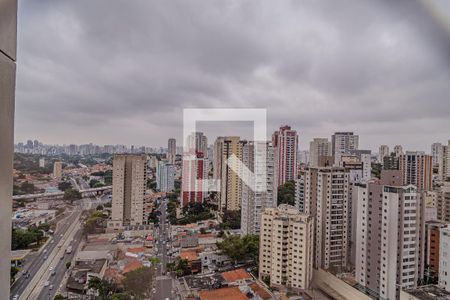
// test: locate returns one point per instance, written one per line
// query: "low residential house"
(212, 260)
(191, 255)
(82, 272)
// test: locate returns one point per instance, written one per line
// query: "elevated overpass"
(60, 195)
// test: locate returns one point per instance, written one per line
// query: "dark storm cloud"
(122, 71)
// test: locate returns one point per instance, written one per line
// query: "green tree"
(180, 266)
(231, 219)
(64, 185)
(59, 297)
(139, 283)
(14, 271)
(104, 288)
(27, 187)
(286, 193)
(44, 226)
(108, 177)
(240, 248)
(68, 264)
(71, 194)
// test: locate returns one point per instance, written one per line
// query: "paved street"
(53, 255)
(38, 261)
(164, 283)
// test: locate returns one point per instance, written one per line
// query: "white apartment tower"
(286, 247)
(343, 143)
(444, 163)
(319, 147)
(128, 190)
(387, 244)
(254, 202)
(300, 192)
(165, 177)
(444, 258)
(326, 199)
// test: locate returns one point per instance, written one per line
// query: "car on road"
(47, 283)
(45, 257)
(16, 297)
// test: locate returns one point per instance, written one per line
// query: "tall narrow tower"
(285, 141)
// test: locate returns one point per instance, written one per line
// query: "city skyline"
(317, 70)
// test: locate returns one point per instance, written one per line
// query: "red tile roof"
(235, 275)
(190, 255)
(260, 291)
(228, 293)
(131, 266)
(137, 250)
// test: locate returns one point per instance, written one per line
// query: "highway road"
(164, 283)
(42, 257)
(52, 255)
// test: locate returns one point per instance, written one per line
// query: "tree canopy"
(240, 248)
(286, 193)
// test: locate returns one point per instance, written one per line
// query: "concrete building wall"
(8, 29)
(230, 184)
(254, 202)
(444, 259)
(319, 147)
(129, 185)
(326, 199)
(286, 248)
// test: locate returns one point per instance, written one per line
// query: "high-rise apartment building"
(443, 202)
(128, 190)
(57, 170)
(326, 199)
(391, 162)
(194, 188)
(286, 247)
(165, 177)
(444, 258)
(343, 143)
(172, 150)
(230, 182)
(398, 150)
(432, 247)
(8, 30)
(383, 151)
(197, 142)
(263, 194)
(417, 169)
(436, 153)
(365, 158)
(300, 192)
(387, 240)
(285, 141)
(319, 147)
(444, 163)
(217, 157)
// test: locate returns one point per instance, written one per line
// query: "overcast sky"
(121, 72)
